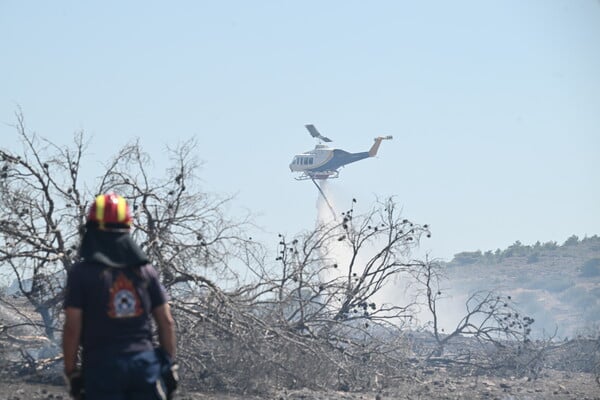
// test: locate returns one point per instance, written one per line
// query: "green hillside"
(558, 285)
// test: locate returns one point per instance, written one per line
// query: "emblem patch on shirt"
(124, 301)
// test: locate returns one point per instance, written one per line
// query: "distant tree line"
(518, 249)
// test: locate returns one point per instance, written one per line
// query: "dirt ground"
(437, 386)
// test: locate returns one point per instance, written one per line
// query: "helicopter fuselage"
(323, 162)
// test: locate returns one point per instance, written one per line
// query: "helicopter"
(324, 162)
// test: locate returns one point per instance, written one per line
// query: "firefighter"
(112, 295)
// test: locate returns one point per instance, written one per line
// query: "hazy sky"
(494, 105)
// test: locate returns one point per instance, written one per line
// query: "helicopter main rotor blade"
(315, 133)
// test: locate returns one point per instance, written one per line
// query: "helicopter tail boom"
(375, 147)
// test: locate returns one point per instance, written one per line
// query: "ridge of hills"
(558, 285)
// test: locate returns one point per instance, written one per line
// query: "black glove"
(169, 372)
(75, 384)
(171, 378)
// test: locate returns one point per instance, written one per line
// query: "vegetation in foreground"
(310, 316)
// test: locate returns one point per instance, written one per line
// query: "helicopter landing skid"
(318, 175)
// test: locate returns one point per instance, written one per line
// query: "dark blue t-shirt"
(117, 304)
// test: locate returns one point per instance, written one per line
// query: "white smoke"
(400, 290)
(395, 291)
(328, 214)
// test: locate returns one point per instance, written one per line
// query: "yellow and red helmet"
(110, 212)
